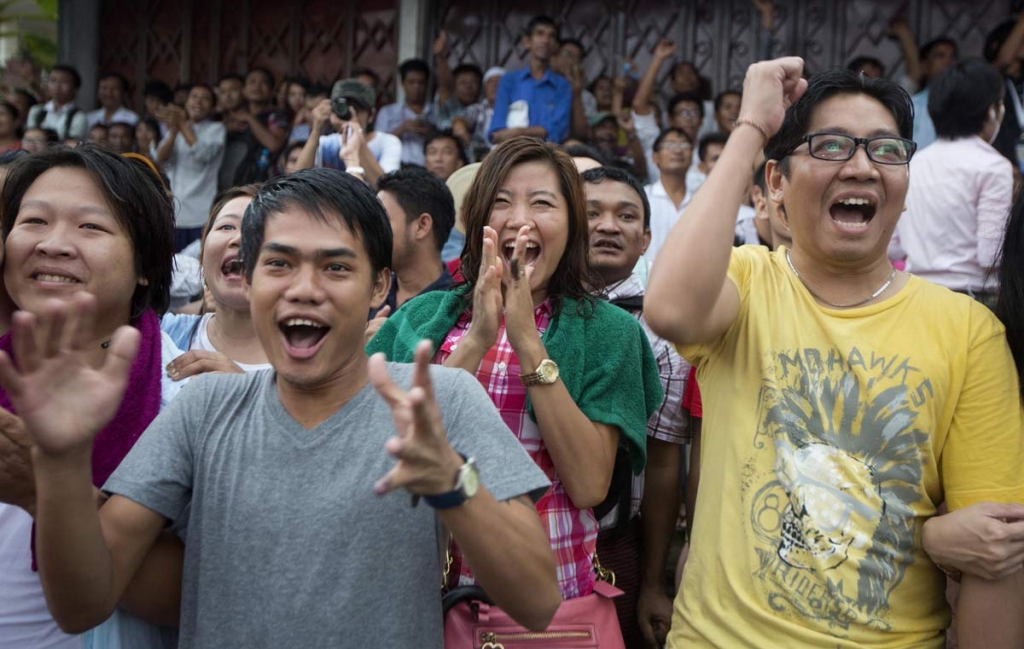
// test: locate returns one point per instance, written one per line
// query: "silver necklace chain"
(881, 289)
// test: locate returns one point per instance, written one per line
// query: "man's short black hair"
(959, 99)
(115, 75)
(160, 90)
(70, 69)
(123, 125)
(366, 72)
(686, 97)
(710, 139)
(573, 41)
(829, 84)
(231, 76)
(418, 191)
(447, 135)
(927, 48)
(856, 64)
(324, 194)
(267, 74)
(586, 151)
(469, 68)
(542, 20)
(414, 65)
(720, 97)
(664, 134)
(599, 174)
(134, 195)
(760, 178)
(317, 89)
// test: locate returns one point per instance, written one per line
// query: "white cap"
(493, 72)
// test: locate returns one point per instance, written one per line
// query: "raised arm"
(502, 541)
(663, 51)
(700, 244)
(442, 70)
(85, 563)
(900, 30)
(321, 115)
(1008, 52)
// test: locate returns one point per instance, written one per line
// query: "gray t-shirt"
(287, 545)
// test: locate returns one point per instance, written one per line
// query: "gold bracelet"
(760, 129)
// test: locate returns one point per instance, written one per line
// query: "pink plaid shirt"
(573, 531)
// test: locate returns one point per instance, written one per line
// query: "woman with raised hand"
(76, 221)
(571, 375)
(223, 340)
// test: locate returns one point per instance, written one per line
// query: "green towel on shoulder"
(604, 357)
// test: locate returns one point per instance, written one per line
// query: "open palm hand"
(64, 400)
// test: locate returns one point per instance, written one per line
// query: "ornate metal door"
(199, 40)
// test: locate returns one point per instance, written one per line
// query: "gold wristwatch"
(545, 374)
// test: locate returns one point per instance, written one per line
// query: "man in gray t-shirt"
(282, 482)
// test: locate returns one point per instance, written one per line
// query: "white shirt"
(190, 169)
(957, 207)
(56, 120)
(122, 114)
(25, 622)
(664, 215)
(392, 116)
(647, 132)
(202, 342)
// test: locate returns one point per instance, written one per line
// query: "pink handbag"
(584, 623)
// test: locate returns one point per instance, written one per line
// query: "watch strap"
(452, 498)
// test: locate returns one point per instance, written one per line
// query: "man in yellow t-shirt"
(844, 401)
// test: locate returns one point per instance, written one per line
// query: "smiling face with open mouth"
(843, 212)
(532, 196)
(311, 289)
(222, 267)
(66, 239)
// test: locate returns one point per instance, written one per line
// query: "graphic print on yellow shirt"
(825, 435)
(847, 475)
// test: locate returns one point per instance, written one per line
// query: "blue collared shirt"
(549, 101)
(924, 128)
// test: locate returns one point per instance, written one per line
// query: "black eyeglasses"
(839, 147)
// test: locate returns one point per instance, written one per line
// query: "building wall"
(198, 40)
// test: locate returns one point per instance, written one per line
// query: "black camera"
(341, 108)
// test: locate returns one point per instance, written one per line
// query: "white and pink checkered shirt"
(573, 531)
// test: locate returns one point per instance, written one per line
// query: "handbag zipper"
(493, 640)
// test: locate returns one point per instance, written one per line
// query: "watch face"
(548, 371)
(470, 481)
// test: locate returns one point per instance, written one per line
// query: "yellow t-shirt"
(830, 436)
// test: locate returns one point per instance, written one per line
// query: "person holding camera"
(353, 147)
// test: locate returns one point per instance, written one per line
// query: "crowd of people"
(276, 357)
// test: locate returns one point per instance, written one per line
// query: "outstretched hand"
(427, 464)
(769, 88)
(64, 400)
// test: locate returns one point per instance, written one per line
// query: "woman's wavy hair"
(135, 195)
(573, 277)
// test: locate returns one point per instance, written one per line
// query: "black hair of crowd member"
(598, 175)
(231, 76)
(418, 191)
(686, 97)
(710, 139)
(447, 135)
(267, 74)
(760, 178)
(720, 97)
(572, 41)
(160, 90)
(116, 75)
(135, 197)
(960, 98)
(366, 72)
(664, 134)
(325, 195)
(927, 48)
(1010, 294)
(543, 20)
(414, 65)
(829, 84)
(856, 64)
(586, 151)
(995, 39)
(70, 69)
(469, 68)
(12, 110)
